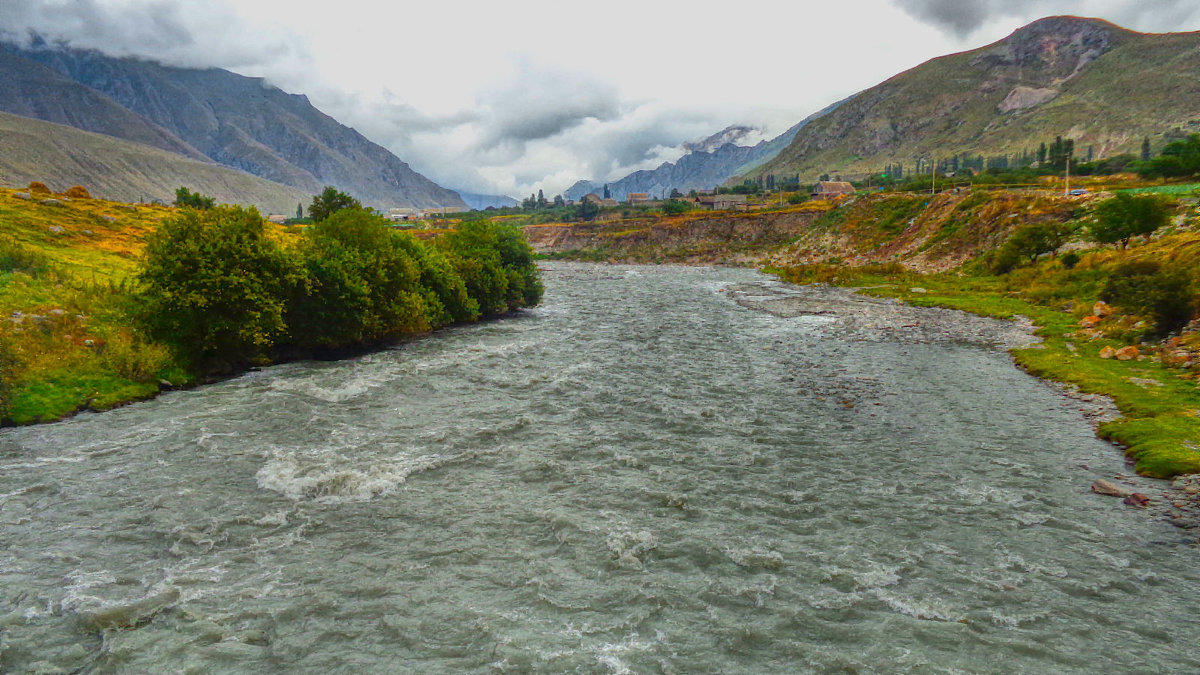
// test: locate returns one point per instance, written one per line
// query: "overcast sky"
(510, 96)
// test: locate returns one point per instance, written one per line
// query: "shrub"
(7, 377)
(1069, 259)
(39, 188)
(214, 286)
(675, 207)
(1164, 294)
(78, 192)
(496, 264)
(363, 283)
(193, 200)
(15, 257)
(133, 358)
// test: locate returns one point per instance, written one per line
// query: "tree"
(1035, 239)
(1125, 216)
(588, 210)
(607, 192)
(1041, 154)
(541, 200)
(299, 211)
(558, 201)
(330, 201)
(214, 285)
(193, 200)
(1146, 149)
(674, 207)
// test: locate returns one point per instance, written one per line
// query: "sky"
(513, 96)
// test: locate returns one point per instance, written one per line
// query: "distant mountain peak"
(731, 134)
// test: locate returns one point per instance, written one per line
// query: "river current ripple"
(640, 476)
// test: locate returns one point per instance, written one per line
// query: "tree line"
(225, 291)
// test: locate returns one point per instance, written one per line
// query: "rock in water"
(1104, 487)
(1138, 499)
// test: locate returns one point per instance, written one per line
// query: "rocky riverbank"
(854, 316)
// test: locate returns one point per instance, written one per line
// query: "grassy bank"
(104, 303)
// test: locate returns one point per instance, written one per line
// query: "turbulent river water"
(640, 476)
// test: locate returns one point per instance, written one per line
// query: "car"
(1078, 191)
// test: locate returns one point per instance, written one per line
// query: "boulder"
(1137, 499)
(1107, 353)
(1127, 353)
(1102, 309)
(51, 202)
(57, 229)
(1089, 321)
(21, 195)
(1103, 487)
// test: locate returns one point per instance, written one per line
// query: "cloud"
(963, 17)
(188, 33)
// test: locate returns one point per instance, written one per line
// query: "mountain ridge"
(1104, 86)
(237, 121)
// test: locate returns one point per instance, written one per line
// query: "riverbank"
(887, 312)
(105, 303)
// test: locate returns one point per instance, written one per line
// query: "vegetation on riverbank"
(1115, 321)
(105, 303)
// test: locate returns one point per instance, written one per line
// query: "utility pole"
(933, 189)
(1067, 189)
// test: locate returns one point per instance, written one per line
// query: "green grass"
(1173, 190)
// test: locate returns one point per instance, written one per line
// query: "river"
(640, 476)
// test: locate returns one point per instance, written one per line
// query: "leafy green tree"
(299, 211)
(330, 201)
(1146, 149)
(1178, 159)
(607, 192)
(214, 287)
(558, 202)
(1126, 216)
(193, 200)
(1033, 240)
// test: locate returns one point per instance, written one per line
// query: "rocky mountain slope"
(707, 164)
(116, 169)
(237, 121)
(1085, 79)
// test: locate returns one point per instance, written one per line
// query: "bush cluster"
(218, 288)
(1164, 293)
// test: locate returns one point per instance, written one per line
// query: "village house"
(637, 198)
(277, 218)
(597, 199)
(721, 202)
(828, 189)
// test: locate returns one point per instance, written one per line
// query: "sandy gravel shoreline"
(859, 317)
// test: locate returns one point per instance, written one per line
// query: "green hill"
(110, 168)
(1085, 79)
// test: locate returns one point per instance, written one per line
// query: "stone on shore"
(1127, 353)
(1137, 499)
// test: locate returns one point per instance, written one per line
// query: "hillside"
(62, 156)
(1086, 79)
(241, 122)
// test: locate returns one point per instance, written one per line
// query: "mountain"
(112, 168)
(707, 164)
(237, 121)
(478, 202)
(1085, 79)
